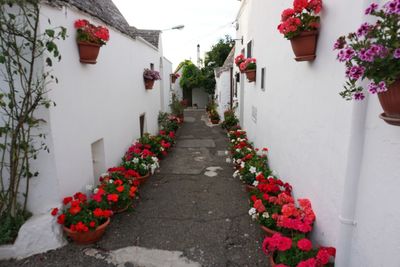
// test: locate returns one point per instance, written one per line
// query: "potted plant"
(214, 117)
(177, 108)
(174, 76)
(239, 60)
(89, 39)
(249, 67)
(296, 252)
(373, 53)
(300, 25)
(84, 220)
(230, 119)
(115, 190)
(149, 77)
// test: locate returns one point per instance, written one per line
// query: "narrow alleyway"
(192, 208)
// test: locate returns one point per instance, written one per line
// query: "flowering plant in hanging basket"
(149, 77)
(373, 53)
(90, 38)
(297, 252)
(239, 60)
(84, 220)
(249, 67)
(300, 25)
(174, 76)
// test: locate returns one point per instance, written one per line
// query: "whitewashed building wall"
(316, 138)
(100, 102)
(222, 91)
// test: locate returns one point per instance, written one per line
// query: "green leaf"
(2, 59)
(49, 62)
(50, 33)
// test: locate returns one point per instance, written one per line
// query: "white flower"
(235, 174)
(238, 161)
(255, 183)
(242, 164)
(226, 152)
(96, 190)
(253, 169)
(237, 150)
(234, 161)
(111, 181)
(144, 166)
(275, 173)
(258, 173)
(265, 215)
(104, 175)
(162, 149)
(135, 160)
(89, 187)
(228, 160)
(249, 149)
(252, 211)
(233, 141)
(254, 216)
(270, 177)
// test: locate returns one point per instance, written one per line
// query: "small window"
(263, 79)
(152, 66)
(249, 49)
(141, 121)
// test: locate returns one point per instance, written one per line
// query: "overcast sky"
(205, 22)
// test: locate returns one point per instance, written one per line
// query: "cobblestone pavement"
(191, 213)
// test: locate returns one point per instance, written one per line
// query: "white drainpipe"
(352, 178)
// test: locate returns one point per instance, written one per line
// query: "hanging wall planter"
(149, 77)
(300, 25)
(89, 39)
(88, 52)
(372, 53)
(251, 75)
(148, 84)
(390, 102)
(174, 76)
(304, 45)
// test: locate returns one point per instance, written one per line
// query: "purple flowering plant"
(372, 52)
(151, 74)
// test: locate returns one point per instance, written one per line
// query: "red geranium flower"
(112, 197)
(120, 188)
(74, 210)
(61, 219)
(92, 224)
(67, 200)
(54, 211)
(304, 244)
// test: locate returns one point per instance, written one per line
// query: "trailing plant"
(151, 74)
(373, 52)
(24, 49)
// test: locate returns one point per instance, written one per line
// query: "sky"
(206, 21)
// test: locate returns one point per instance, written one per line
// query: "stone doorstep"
(37, 235)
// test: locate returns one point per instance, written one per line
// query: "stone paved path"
(191, 213)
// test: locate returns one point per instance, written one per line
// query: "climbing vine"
(26, 55)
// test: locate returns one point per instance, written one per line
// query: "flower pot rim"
(89, 44)
(306, 33)
(253, 70)
(101, 226)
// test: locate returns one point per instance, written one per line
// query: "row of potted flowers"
(85, 217)
(285, 223)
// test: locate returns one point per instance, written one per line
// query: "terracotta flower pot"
(181, 118)
(390, 102)
(271, 261)
(143, 179)
(251, 75)
(304, 45)
(250, 188)
(88, 52)
(120, 210)
(214, 121)
(148, 84)
(173, 78)
(267, 231)
(89, 237)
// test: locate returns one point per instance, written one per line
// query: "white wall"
(222, 90)
(199, 97)
(166, 85)
(306, 125)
